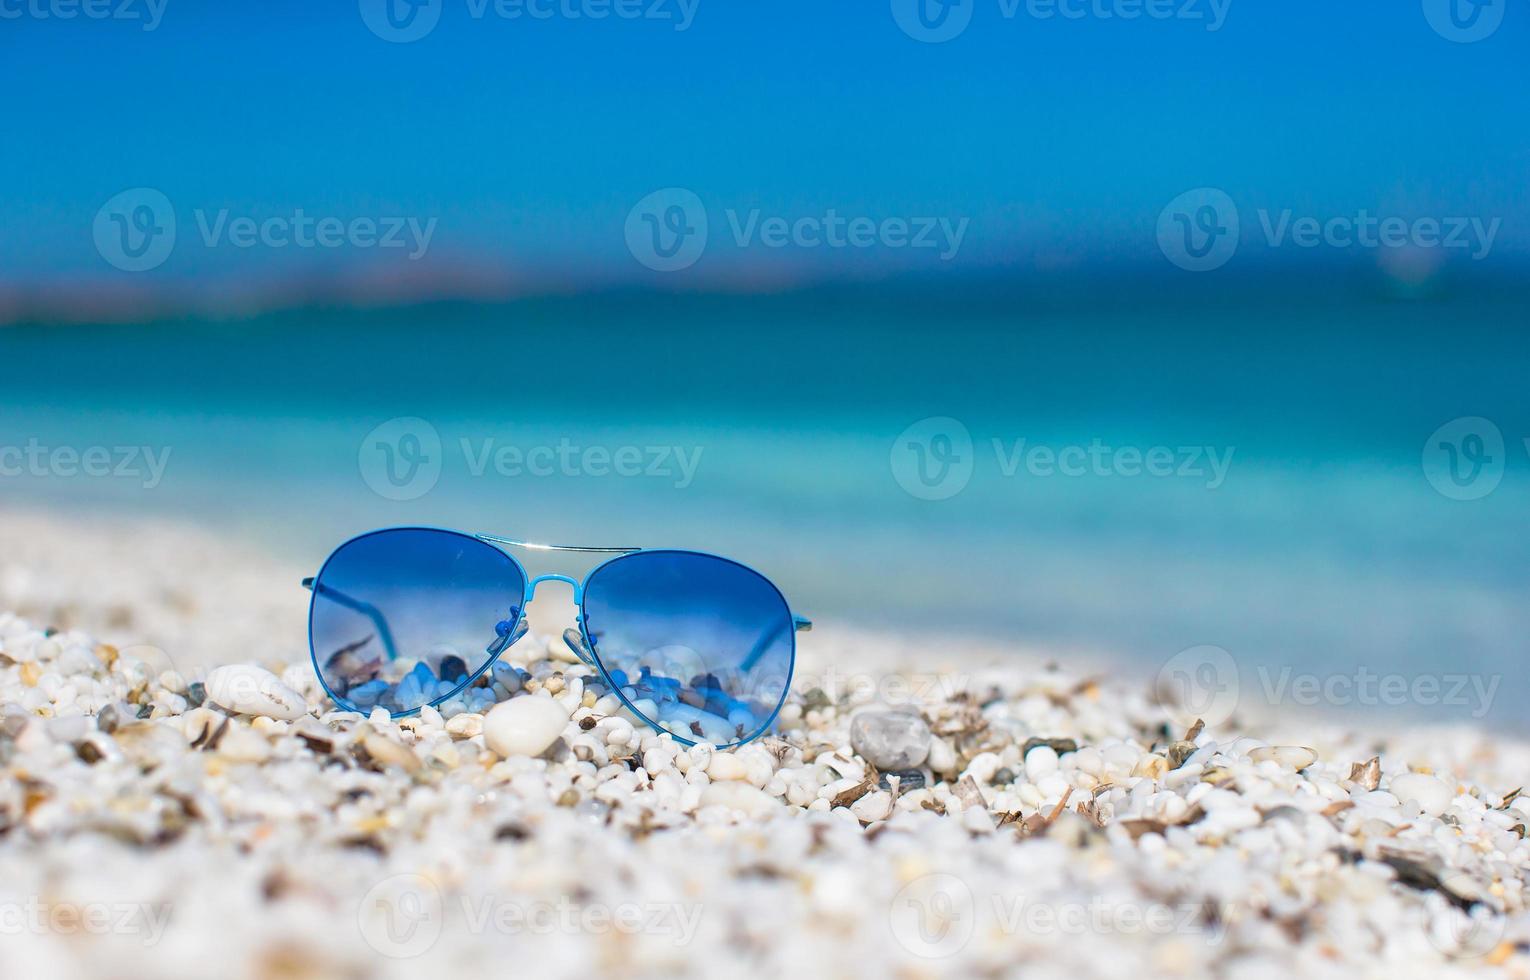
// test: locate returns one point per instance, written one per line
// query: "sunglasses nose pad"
(575, 642)
(507, 636)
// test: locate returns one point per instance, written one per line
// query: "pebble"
(799, 837)
(1431, 793)
(251, 690)
(908, 780)
(524, 726)
(739, 796)
(983, 766)
(618, 730)
(876, 805)
(1286, 756)
(942, 758)
(890, 739)
(725, 766)
(240, 744)
(1040, 761)
(385, 752)
(465, 725)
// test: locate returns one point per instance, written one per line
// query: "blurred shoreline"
(148, 580)
(1022, 285)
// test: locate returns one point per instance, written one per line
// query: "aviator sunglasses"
(695, 645)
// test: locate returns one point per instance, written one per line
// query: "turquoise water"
(1295, 524)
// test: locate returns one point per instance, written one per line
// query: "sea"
(1324, 478)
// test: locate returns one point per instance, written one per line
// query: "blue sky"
(1056, 140)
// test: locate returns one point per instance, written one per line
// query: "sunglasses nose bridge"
(572, 637)
(578, 587)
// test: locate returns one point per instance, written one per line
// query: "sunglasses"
(695, 645)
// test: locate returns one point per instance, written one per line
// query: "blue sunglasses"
(698, 646)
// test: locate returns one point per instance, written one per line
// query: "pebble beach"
(179, 799)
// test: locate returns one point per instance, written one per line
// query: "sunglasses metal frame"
(584, 649)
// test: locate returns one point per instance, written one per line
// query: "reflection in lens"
(405, 617)
(700, 646)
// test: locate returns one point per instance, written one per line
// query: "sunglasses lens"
(405, 617)
(701, 647)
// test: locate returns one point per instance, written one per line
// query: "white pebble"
(524, 725)
(725, 766)
(739, 796)
(876, 805)
(240, 744)
(251, 690)
(1040, 761)
(1285, 756)
(1431, 793)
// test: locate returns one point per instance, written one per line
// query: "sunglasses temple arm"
(365, 608)
(799, 623)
